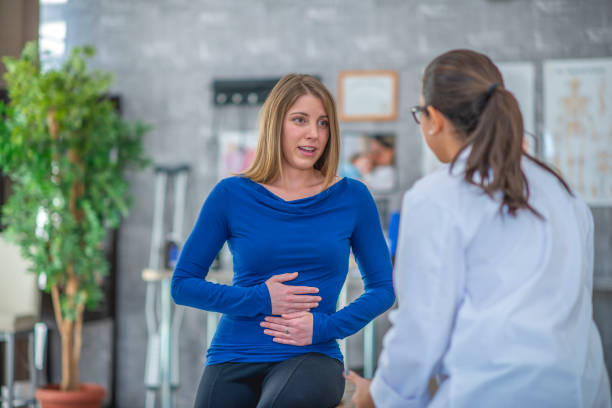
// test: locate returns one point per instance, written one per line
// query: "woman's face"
(380, 154)
(305, 133)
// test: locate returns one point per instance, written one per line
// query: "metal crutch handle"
(40, 344)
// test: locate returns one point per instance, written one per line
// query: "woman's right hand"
(290, 299)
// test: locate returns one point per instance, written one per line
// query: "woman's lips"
(307, 150)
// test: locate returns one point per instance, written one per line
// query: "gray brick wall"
(166, 53)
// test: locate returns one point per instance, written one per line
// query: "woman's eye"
(323, 123)
(298, 119)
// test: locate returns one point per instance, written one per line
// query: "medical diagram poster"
(578, 125)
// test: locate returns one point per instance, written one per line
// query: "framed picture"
(367, 95)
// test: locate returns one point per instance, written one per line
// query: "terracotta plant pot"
(89, 396)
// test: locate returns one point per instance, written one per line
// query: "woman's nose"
(313, 132)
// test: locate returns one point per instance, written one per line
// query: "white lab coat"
(499, 307)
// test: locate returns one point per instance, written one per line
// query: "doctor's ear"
(437, 120)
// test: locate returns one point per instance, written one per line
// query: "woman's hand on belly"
(290, 299)
(293, 328)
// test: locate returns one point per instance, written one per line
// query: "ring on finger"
(286, 331)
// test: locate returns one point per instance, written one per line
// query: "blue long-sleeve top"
(269, 236)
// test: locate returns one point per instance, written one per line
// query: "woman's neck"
(295, 179)
(453, 143)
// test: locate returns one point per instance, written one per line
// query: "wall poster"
(578, 125)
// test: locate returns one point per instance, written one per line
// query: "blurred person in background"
(358, 166)
(381, 178)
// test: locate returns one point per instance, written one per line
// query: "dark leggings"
(310, 380)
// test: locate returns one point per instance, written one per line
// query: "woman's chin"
(302, 163)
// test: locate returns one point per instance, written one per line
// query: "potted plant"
(65, 149)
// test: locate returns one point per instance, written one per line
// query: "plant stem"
(70, 368)
(71, 331)
(56, 306)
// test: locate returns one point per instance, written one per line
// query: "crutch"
(162, 363)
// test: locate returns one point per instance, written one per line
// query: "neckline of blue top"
(305, 200)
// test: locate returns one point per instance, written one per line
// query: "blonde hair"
(266, 164)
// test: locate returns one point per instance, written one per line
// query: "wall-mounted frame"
(369, 95)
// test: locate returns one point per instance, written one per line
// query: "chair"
(19, 305)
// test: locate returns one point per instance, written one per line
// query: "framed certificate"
(367, 95)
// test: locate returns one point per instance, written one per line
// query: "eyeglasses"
(417, 111)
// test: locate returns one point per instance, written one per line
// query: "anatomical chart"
(578, 125)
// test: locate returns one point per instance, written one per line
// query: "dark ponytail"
(467, 88)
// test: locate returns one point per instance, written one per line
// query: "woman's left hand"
(292, 328)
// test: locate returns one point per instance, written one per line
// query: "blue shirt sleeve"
(189, 284)
(372, 256)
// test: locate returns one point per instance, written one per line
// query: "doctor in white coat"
(494, 268)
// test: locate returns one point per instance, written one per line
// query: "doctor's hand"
(362, 397)
(290, 299)
(293, 328)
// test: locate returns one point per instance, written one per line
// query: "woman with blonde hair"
(290, 223)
